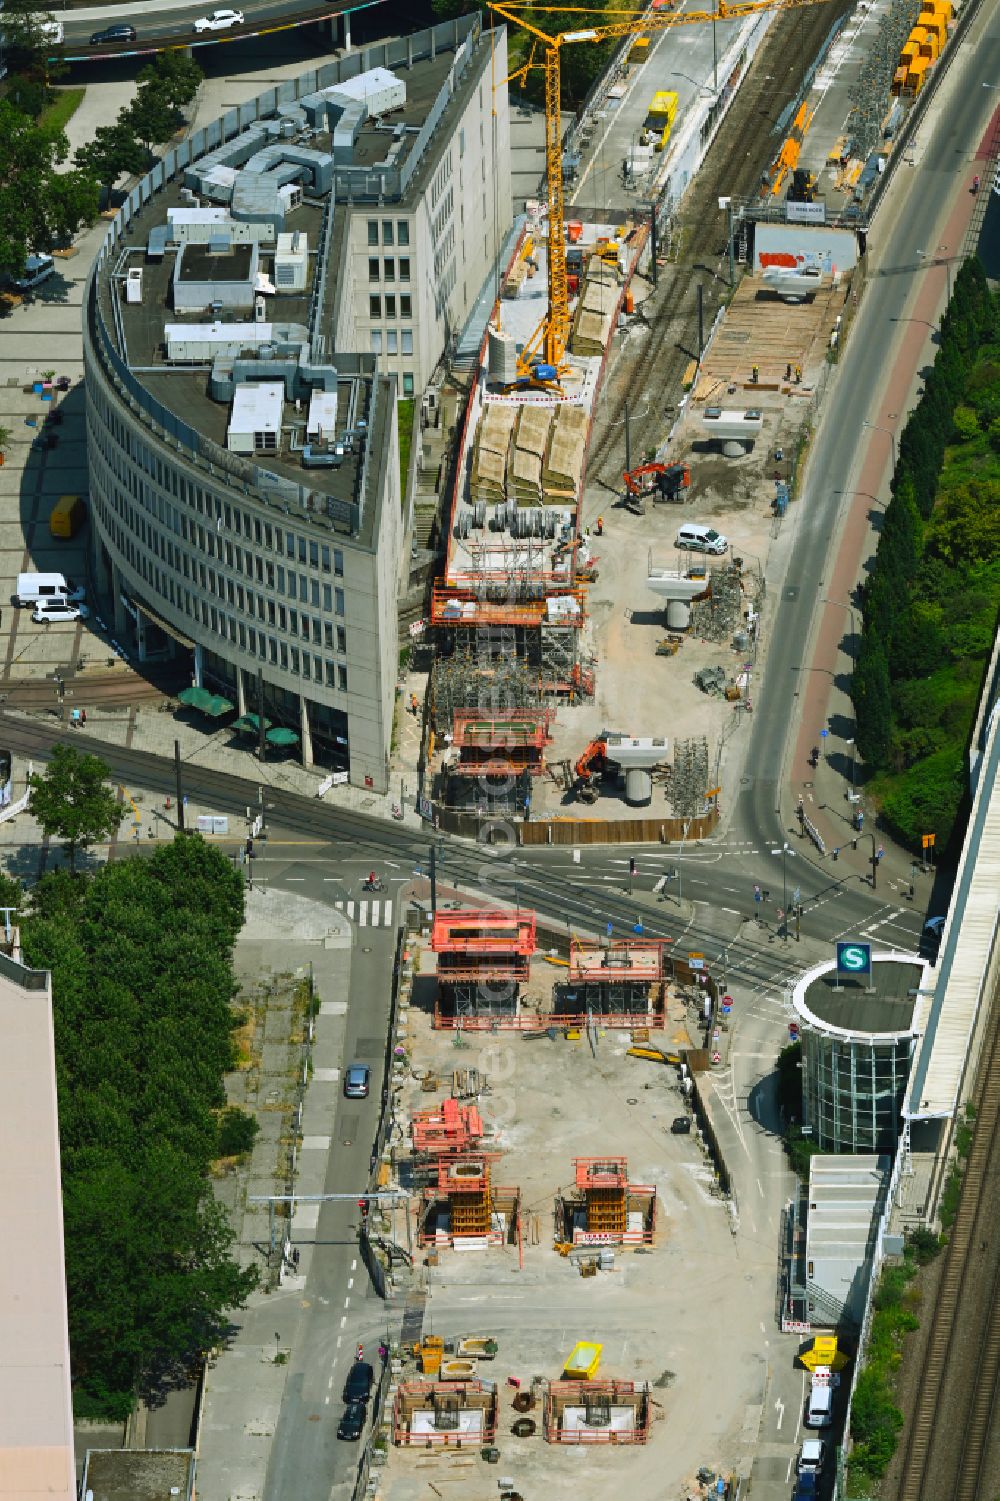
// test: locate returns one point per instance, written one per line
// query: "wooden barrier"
(617, 831)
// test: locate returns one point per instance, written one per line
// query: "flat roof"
(967, 945)
(845, 1003)
(36, 1409)
(140, 1474)
(257, 407)
(845, 1191)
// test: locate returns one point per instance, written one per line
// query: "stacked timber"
(595, 310)
(487, 480)
(515, 279)
(524, 474)
(563, 468)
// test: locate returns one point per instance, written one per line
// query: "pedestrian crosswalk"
(367, 914)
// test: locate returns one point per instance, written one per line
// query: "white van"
(819, 1408)
(700, 538)
(31, 588)
(37, 268)
(811, 1456)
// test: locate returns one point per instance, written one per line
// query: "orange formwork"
(596, 1412)
(509, 741)
(446, 1129)
(608, 1210)
(477, 945)
(444, 1414)
(633, 959)
(463, 607)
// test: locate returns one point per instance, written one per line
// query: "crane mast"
(550, 338)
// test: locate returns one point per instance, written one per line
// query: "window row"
(388, 303)
(385, 269)
(393, 344)
(401, 232)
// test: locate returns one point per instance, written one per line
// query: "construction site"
(553, 1219)
(582, 611)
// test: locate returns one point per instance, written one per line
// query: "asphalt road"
(166, 24)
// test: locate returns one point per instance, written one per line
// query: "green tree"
(39, 205)
(112, 151)
(72, 801)
(870, 692)
(150, 117)
(237, 1132)
(28, 32)
(174, 76)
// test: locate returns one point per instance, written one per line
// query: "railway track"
(731, 168)
(948, 1441)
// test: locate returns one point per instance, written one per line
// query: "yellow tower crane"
(548, 342)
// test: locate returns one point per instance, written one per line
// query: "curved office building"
(261, 300)
(858, 1039)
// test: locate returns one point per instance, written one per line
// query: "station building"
(263, 299)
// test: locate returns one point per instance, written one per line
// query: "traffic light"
(631, 865)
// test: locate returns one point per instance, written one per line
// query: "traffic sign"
(638, 929)
(823, 734)
(793, 1031)
(716, 1057)
(609, 930)
(854, 958)
(796, 896)
(927, 840)
(727, 1007)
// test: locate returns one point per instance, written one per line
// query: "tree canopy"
(39, 206)
(72, 801)
(141, 961)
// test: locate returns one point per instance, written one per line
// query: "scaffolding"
(466, 1206)
(620, 983)
(483, 959)
(606, 1209)
(596, 1412)
(444, 1414)
(504, 742)
(447, 1130)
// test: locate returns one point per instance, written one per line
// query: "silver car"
(357, 1081)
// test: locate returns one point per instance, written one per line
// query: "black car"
(352, 1424)
(120, 32)
(681, 1125)
(358, 1386)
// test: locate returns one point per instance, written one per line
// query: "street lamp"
(892, 436)
(946, 263)
(784, 852)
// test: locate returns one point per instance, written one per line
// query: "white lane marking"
(350, 1283)
(354, 1265)
(347, 1302)
(375, 911)
(350, 909)
(343, 1321)
(362, 914)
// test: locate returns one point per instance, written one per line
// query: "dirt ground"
(685, 1315)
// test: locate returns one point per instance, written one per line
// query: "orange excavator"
(668, 479)
(591, 764)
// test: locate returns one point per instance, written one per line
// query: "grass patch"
(876, 1421)
(404, 422)
(64, 106)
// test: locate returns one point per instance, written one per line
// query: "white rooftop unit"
(200, 226)
(291, 262)
(628, 751)
(794, 283)
(321, 426)
(734, 423)
(255, 421)
(203, 341)
(378, 90)
(133, 284)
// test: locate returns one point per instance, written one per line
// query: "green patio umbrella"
(281, 736)
(249, 724)
(212, 704)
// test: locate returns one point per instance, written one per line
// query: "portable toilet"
(917, 75)
(909, 52)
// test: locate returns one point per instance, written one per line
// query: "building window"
(390, 307)
(373, 231)
(389, 268)
(402, 232)
(375, 307)
(328, 635)
(407, 341)
(342, 678)
(327, 597)
(407, 385)
(386, 231)
(338, 601)
(329, 675)
(405, 306)
(376, 338)
(373, 268)
(295, 659)
(404, 268)
(341, 638)
(306, 672)
(338, 562)
(391, 342)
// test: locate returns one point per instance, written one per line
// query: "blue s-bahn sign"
(854, 958)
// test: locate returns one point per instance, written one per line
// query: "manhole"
(791, 593)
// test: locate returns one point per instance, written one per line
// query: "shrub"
(237, 1132)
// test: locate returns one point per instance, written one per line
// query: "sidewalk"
(825, 703)
(284, 936)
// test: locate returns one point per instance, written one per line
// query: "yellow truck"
(660, 117)
(68, 515)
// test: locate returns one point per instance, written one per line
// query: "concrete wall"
(802, 247)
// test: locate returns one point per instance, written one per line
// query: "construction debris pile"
(689, 781)
(719, 616)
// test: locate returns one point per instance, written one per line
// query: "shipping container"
(639, 50)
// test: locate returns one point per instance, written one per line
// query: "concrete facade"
(279, 576)
(36, 1405)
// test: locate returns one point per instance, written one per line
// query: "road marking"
(350, 1283)
(340, 1339)
(350, 909)
(347, 1302)
(362, 914)
(779, 1408)
(294, 878)
(329, 1384)
(375, 912)
(354, 1264)
(343, 1321)
(731, 910)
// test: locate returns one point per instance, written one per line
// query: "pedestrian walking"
(600, 526)
(754, 373)
(798, 375)
(413, 705)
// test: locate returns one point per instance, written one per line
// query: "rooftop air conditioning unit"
(133, 284)
(291, 262)
(259, 309)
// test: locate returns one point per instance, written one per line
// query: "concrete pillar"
(120, 614)
(409, 52)
(305, 733)
(241, 693)
(197, 668)
(347, 31)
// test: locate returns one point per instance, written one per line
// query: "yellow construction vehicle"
(429, 1354)
(549, 340)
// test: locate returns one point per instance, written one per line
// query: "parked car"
(811, 1456)
(806, 1486)
(357, 1081)
(219, 20)
(698, 537)
(352, 1424)
(358, 1386)
(680, 1125)
(57, 611)
(37, 268)
(120, 32)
